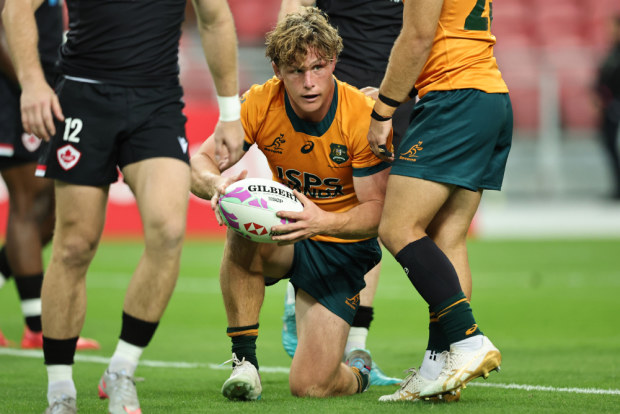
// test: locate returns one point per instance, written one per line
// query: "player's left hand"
(220, 188)
(228, 143)
(308, 222)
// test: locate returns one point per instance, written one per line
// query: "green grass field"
(550, 306)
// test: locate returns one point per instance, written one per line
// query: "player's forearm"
(409, 53)
(291, 6)
(22, 38)
(219, 42)
(405, 65)
(205, 176)
(360, 222)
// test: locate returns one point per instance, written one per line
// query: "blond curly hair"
(295, 35)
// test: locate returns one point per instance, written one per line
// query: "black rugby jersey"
(368, 29)
(124, 42)
(49, 24)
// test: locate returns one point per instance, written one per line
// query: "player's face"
(310, 86)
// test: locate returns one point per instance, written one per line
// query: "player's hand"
(371, 92)
(228, 143)
(378, 133)
(220, 188)
(39, 106)
(308, 222)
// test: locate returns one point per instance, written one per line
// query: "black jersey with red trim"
(368, 29)
(124, 42)
(49, 24)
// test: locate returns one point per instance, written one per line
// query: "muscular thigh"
(267, 259)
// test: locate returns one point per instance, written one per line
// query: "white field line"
(285, 370)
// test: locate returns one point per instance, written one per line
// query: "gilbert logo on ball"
(249, 207)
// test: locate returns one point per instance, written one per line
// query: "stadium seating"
(567, 37)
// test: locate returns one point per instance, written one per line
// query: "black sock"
(136, 331)
(5, 268)
(29, 287)
(59, 351)
(437, 339)
(363, 317)
(429, 270)
(244, 342)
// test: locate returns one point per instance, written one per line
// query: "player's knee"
(387, 234)
(164, 234)
(76, 251)
(306, 383)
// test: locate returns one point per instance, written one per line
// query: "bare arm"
(219, 43)
(206, 179)
(407, 59)
(6, 66)
(291, 6)
(38, 102)
(361, 221)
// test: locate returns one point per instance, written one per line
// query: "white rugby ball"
(249, 207)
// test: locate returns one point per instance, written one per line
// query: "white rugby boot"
(244, 382)
(463, 366)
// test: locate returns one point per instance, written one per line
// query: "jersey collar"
(316, 129)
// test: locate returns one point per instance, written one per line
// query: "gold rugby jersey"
(462, 52)
(317, 159)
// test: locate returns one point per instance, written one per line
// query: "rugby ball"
(249, 207)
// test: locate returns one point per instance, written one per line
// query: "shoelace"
(61, 403)
(447, 365)
(411, 372)
(234, 360)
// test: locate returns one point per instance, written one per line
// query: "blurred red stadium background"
(538, 41)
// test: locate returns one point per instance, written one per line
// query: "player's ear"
(276, 70)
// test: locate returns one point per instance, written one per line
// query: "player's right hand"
(228, 143)
(378, 133)
(39, 106)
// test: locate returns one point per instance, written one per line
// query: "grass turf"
(550, 306)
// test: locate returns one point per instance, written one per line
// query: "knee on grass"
(311, 386)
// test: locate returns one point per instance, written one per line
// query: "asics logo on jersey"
(308, 146)
(309, 184)
(412, 153)
(276, 144)
(353, 302)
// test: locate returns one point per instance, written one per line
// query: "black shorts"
(107, 127)
(16, 146)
